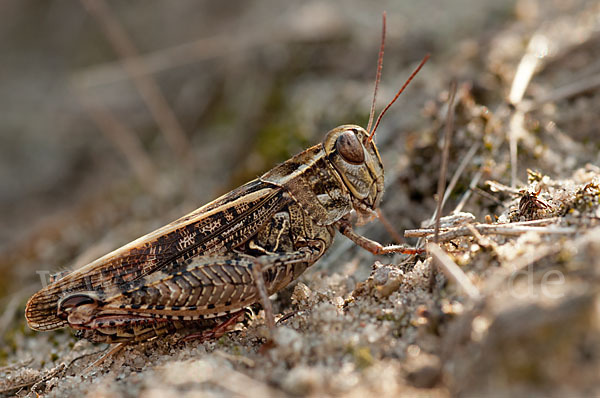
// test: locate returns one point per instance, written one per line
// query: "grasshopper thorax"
(356, 159)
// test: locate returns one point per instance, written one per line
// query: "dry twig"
(453, 271)
(443, 171)
(511, 229)
(240, 384)
(482, 240)
(235, 358)
(496, 186)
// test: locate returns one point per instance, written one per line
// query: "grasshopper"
(209, 265)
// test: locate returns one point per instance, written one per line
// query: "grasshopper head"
(357, 161)
(352, 151)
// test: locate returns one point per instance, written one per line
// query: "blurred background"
(118, 117)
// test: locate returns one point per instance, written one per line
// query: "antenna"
(379, 68)
(398, 93)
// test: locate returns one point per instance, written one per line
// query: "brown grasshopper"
(230, 253)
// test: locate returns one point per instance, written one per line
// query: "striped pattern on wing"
(213, 229)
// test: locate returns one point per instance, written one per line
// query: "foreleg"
(370, 245)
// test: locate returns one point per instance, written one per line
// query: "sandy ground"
(514, 308)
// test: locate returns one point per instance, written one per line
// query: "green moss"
(279, 141)
(585, 199)
(10, 336)
(224, 116)
(386, 317)
(222, 341)
(534, 176)
(3, 357)
(363, 357)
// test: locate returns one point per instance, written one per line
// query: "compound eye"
(350, 148)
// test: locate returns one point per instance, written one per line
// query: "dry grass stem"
(585, 85)
(448, 127)
(236, 358)
(389, 227)
(537, 48)
(9, 312)
(158, 61)
(456, 176)
(110, 353)
(453, 271)
(593, 235)
(125, 141)
(488, 196)
(241, 385)
(463, 200)
(146, 85)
